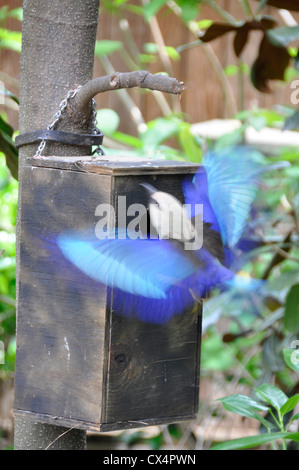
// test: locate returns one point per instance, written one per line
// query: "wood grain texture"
(61, 314)
(153, 370)
(79, 362)
(113, 165)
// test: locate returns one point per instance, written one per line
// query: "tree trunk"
(57, 55)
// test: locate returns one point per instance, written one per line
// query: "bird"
(157, 277)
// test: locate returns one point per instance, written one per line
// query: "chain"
(95, 128)
(57, 116)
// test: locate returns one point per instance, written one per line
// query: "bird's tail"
(243, 283)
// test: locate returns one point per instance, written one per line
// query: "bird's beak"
(148, 187)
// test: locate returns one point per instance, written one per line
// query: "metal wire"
(56, 117)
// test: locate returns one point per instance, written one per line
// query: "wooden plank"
(111, 165)
(157, 377)
(79, 361)
(61, 312)
(92, 427)
(153, 370)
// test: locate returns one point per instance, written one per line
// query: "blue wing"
(146, 267)
(233, 176)
(197, 202)
(180, 298)
(151, 279)
(226, 185)
(154, 279)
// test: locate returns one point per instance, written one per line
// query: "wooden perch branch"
(116, 81)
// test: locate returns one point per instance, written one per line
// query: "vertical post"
(40, 436)
(58, 41)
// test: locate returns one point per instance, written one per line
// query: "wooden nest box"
(79, 363)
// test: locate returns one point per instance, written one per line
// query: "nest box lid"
(114, 165)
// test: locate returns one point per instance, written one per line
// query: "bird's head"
(168, 215)
(162, 199)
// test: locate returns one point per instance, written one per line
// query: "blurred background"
(240, 87)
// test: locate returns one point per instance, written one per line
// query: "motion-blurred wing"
(197, 202)
(144, 267)
(180, 297)
(232, 180)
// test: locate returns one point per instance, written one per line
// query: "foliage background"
(239, 352)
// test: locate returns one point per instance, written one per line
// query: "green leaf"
(262, 4)
(147, 58)
(172, 53)
(231, 70)
(127, 139)
(106, 47)
(294, 418)
(189, 9)
(3, 13)
(284, 35)
(255, 441)
(291, 316)
(189, 143)
(151, 48)
(16, 13)
(151, 8)
(214, 355)
(293, 51)
(286, 279)
(269, 117)
(10, 39)
(270, 64)
(215, 30)
(291, 357)
(271, 354)
(5, 265)
(6, 128)
(292, 122)
(108, 120)
(159, 130)
(258, 122)
(272, 395)
(11, 95)
(273, 118)
(232, 138)
(204, 24)
(8, 147)
(245, 406)
(290, 404)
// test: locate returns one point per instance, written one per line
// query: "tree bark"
(40, 436)
(140, 78)
(57, 56)
(58, 42)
